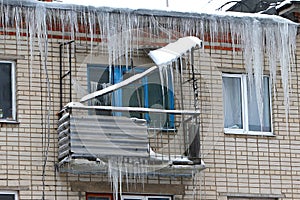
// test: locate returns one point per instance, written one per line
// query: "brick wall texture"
(236, 165)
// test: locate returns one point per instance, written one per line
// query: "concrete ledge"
(245, 195)
(105, 187)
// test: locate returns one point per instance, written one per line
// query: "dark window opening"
(7, 110)
(148, 92)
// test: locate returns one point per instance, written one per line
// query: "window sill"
(251, 133)
(5, 121)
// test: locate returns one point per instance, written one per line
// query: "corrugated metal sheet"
(102, 136)
(63, 131)
(87, 141)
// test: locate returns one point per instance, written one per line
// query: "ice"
(262, 38)
(257, 65)
(122, 167)
(175, 5)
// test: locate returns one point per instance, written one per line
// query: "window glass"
(95, 196)
(241, 109)
(145, 197)
(146, 92)
(254, 119)
(7, 196)
(232, 102)
(252, 198)
(6, 91)
(98, 78)
(98, 198)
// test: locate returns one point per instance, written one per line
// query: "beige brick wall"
(246, 165)
(240, 165)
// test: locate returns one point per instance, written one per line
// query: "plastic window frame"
(15, 193)
(13, 91)
(244, 93)
(143, 197)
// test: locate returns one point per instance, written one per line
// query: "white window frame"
(13, 91)
(15, 193)
(143, 197)
(244, 93)
(158, 197)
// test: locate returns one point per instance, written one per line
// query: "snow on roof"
(155, 9)
(284, 3)
(190, 8)
(168, 5)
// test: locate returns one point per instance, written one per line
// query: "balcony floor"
(144, 166)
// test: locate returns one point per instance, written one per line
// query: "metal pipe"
(60, 76)
(70, 70)
(133, 109)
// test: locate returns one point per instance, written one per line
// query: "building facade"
(219, 119)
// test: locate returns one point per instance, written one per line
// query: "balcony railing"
(89, 140)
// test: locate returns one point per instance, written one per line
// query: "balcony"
(135, 119)
(89, 141)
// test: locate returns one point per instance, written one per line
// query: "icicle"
(285, 67)
(161, 76)
(91, 22)
(113, 172)
(258, 66)
(117, 30)
(272, 32)
(18, 22)
(31, 30)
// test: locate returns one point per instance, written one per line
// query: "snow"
(286, 2)
(172, 51)
(255, 34)
(173, 5)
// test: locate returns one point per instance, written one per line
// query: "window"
(146, 92)
(241, 110)
(7, 91)
(4, 195)
(250, 198)
(92, 196)
(148, 197)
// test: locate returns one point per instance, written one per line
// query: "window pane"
(6, 91)
(132, 199)
(98, 198)
(7, 196)
(253, 115)
(146, 92)
(232, 98)
(250, 198)
(98, 78)
(133, 95)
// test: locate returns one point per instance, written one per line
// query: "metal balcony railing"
(87, 137)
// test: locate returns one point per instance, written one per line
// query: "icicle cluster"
(120, 30)
(119, 168)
